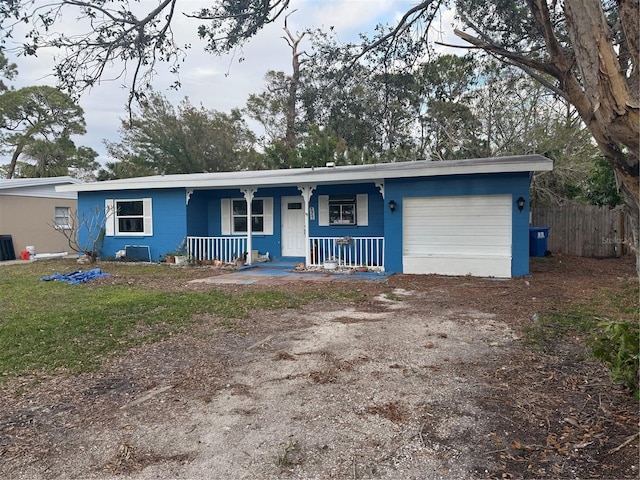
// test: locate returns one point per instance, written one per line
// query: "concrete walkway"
(271, 273)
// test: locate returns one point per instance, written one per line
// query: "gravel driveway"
(426, 378)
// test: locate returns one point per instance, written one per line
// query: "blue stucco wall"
(169, 220)
(173, 219)
(516, 184)
(375, 228)
(197, 213)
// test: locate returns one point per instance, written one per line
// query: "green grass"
(582, 318)
(608, 326)
(50, 325)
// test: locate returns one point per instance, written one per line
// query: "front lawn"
(54, 325)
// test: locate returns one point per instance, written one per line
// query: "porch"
(347, 252)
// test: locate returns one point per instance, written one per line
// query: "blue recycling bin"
(538, 238)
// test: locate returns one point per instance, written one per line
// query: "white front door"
(293, 239)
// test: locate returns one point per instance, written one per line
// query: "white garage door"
(462, 235)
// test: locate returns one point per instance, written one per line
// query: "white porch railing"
(225, 249)
(348, 251)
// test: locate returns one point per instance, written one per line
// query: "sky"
(217, 83)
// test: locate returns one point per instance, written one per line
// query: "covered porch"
(346, 252)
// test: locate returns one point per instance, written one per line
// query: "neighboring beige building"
(29, 209)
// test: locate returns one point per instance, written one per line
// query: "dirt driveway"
(427, 377)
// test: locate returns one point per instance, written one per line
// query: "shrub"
(618, 346)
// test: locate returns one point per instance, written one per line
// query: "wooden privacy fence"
(584, 230)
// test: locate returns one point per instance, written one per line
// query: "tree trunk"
(290, 140)
(613, 111)
(11, 170)
(599, 75)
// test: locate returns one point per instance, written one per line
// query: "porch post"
(248, 196)
(307, 191)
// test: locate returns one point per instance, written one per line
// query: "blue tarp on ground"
(76, 277)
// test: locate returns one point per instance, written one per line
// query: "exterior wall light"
(520, 203)
(392, 205)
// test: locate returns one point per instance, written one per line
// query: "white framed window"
(62, 218)
(343, 210)
(130, 217)
(239, 214)
(234, 216)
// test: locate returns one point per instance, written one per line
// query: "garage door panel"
(470, 200)
(434, 221)
(449, 211)
(458, 235)
(463, 231)
(455, 265)
(473, 242)
(450, 249)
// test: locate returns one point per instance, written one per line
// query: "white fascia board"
(322, 175)
(22, 183)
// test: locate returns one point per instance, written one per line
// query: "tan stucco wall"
(28, 220)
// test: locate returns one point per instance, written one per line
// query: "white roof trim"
(322, 175)
(36, 182)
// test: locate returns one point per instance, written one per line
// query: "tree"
(449, 127)
(591, 51)
(36, 113)
(7, 70)
(161, 139)
(57, 158)
(586, 51)
(127, 166)
(277, 107)
(519, 116)
(268, 107)
(85, 232)
(371, 105)
(601, 185)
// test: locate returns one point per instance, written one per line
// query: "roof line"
(323, 175)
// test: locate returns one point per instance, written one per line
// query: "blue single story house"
(459, 217)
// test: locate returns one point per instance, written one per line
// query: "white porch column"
(248, 196)
(307, 191)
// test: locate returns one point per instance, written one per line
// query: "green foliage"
(269, 107)
(163, 139)
(7, 70)
(555, 326)
(60, 157)
(618, 345)
(602, 189)
(36, 113)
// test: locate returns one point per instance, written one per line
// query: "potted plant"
(179, 255)
(330, 263)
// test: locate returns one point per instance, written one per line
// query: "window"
(239, 216)
(128, 217)
(62, 218)
(342, 210)
(234, 216)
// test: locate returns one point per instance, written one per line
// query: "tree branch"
(403, 25)
(516, 58)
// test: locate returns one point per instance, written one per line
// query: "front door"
(293, 238)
